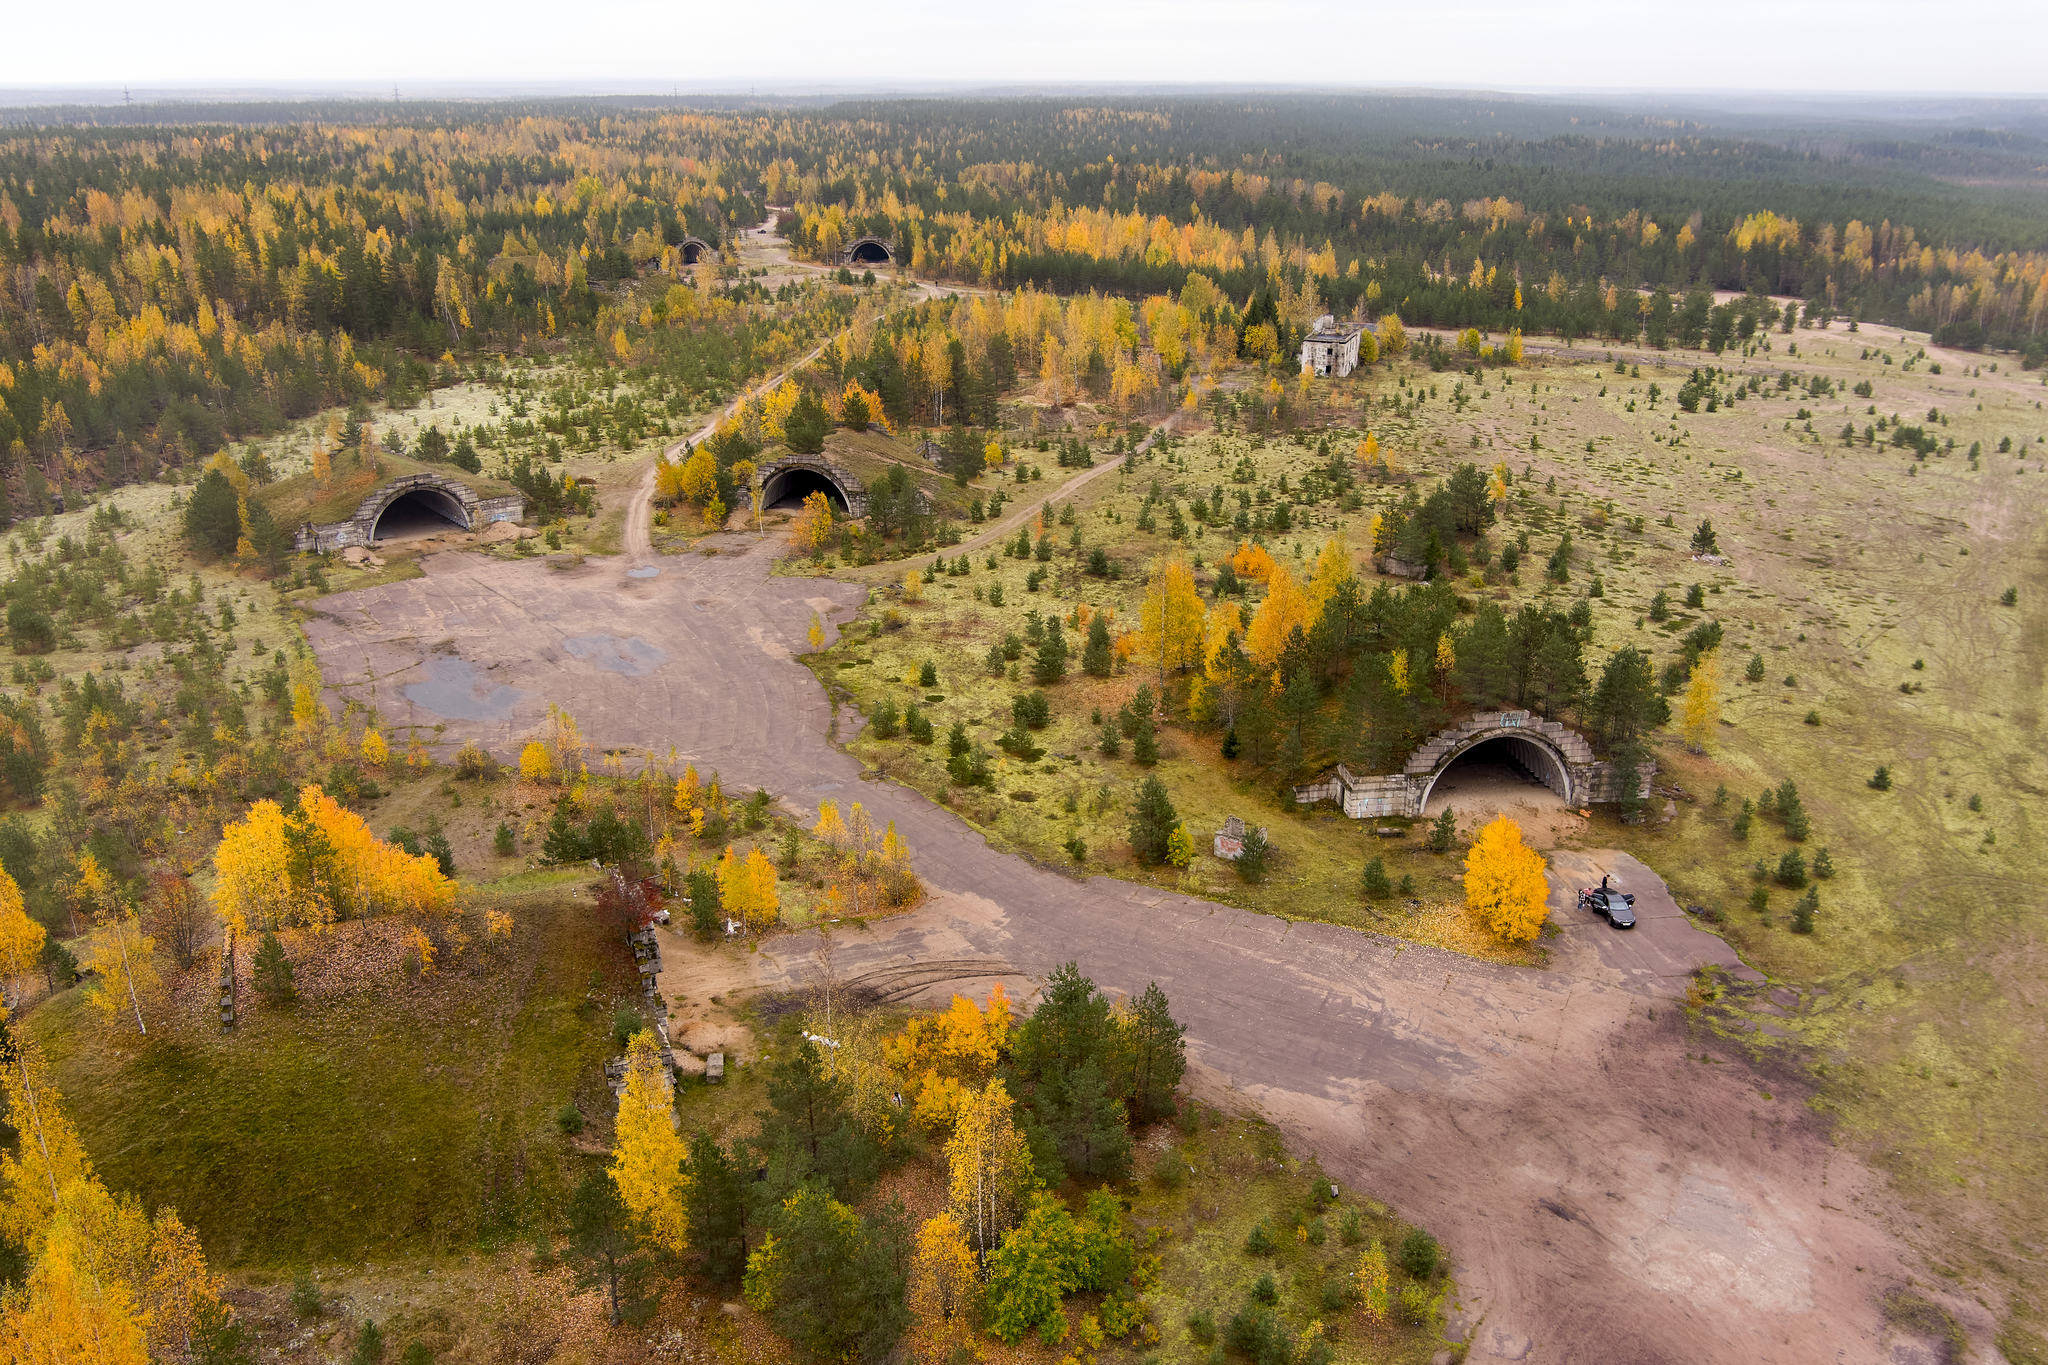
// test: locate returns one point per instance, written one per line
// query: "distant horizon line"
(126, 95)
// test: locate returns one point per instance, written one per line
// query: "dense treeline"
(168, 289)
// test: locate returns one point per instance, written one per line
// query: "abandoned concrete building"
(1330, 351)
(407, 507)
(1548, 753)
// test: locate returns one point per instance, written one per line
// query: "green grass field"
(391, 1119)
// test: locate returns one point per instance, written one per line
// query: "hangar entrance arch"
(1501, 759)
(786, 482)
(417, 512)
(870, 251)
(790, 487)
(696, 249)
(1498, 770)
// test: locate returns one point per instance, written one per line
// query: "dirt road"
(1614, 1185)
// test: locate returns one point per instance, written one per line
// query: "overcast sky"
(1978, 47)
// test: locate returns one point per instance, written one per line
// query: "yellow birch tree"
(1171, 618)
(1283, 611)
(1701, 710)
(647, 1157)
(989, 1167)
(1504, 882)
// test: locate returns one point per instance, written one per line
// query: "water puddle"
(644, 571)
(454, 690)
(631, 656)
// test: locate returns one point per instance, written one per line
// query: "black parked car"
(1618, 908)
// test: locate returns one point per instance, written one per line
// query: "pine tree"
(1803, 912)
(1098, 660)
(1444, 832)
(1152, 1055)
(271, 971)
(829, 1282)
(1251, 862)
(1374, 881)
(1152, 822)
(715, 1202)
(1092, 1130)
(1050, 663)
(601, 1242)
(809, 1130)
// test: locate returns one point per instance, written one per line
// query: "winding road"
(1614, 1183)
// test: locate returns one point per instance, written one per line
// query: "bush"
(502, 843)
(917, 725)
(1251, 864)
(1350, 1228)
(1077, 850)
(928, 674)
(30, 629)
(1755, 671)
(306, 1301)
(1374, 880)
(1265, 1291)
(1805, 910)
(473, 764)
(1256, 1333)
(1031, 710)
(1202, 1326)
(1881, 780)
(886, 720)
(1418, 1254)
(1823, 866)
(970, 769)
(626, 1022)
(369, 1345)
(569, 1119)
(1418, 1305)
(1258, 1242)
(1444, 832)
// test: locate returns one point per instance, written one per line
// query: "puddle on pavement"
(631, 656)
(454, 690)
(644, 571)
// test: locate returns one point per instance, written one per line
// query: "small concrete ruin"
(1229, 841)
